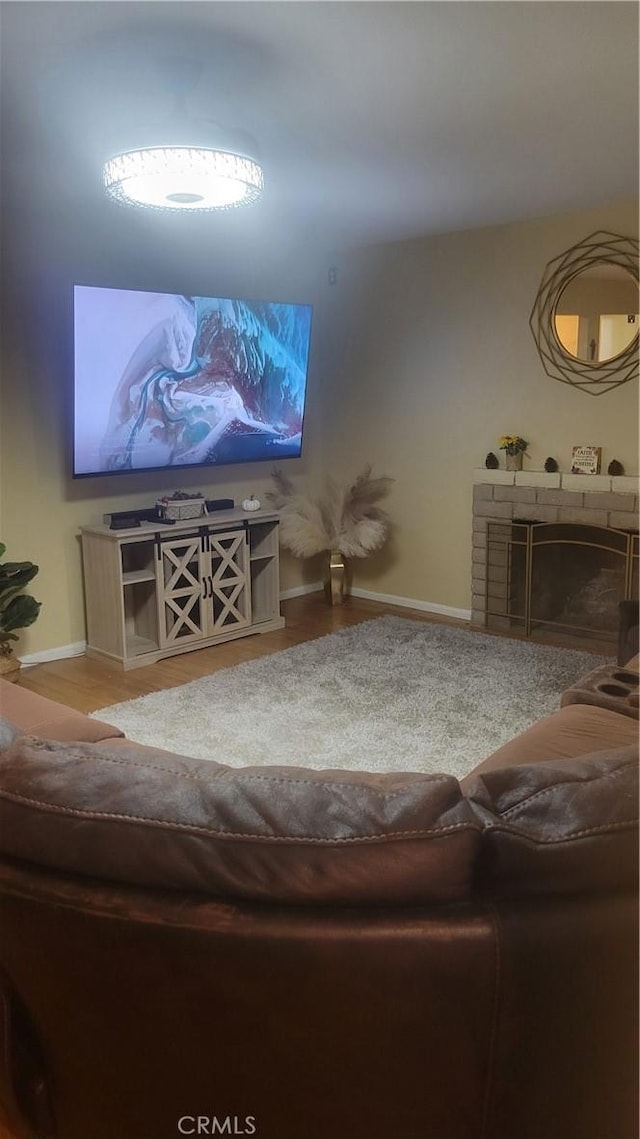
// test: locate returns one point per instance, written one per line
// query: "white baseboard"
(299, 590)
(412, 603)
(75, 650)
(387, 598)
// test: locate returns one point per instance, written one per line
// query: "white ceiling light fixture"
(186, 163)
(184, 177)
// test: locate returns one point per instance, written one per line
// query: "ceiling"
(376, 121)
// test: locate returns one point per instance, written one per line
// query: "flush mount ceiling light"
(183, 178)
(185, 163)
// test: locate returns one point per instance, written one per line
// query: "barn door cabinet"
(157, 590)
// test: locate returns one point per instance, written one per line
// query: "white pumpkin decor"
(251, 503)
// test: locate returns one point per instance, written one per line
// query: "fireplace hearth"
(552, 561)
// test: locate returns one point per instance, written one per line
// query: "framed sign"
(586, 460)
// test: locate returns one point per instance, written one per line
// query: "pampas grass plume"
(346, 520)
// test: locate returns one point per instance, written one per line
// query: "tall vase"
(514, 462)
(335, 579)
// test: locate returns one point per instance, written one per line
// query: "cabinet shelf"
(263, 539)
(138, 646)
(137, 558)
(133, 577)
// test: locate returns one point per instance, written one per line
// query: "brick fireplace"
(553, 553)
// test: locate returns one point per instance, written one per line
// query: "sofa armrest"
(608, 686)
(36, 715)
(573, 731)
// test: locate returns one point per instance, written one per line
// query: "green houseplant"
(17, 609)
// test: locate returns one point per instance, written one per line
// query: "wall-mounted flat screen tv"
(163, 381)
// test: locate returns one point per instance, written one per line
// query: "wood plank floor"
(89, 684)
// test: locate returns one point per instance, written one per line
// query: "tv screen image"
(164, 380)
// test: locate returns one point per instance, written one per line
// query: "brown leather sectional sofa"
(189, 949)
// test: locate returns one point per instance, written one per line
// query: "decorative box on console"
(179, 506)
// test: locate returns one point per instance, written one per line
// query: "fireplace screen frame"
(511, 569)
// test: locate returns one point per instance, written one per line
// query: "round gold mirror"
(596, 316)
(585, 319)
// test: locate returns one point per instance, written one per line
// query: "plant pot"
(335, 578)
(9, 664)
(514, 462)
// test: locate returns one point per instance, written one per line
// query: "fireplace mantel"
(580, 484)
(501, 496)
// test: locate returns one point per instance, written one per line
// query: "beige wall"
(439, 361)
(422, 357)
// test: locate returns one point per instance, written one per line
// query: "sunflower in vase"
(515, 447)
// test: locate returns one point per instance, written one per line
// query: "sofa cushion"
(568, 826)
(38, 716)
(575, 730)
(277, 834)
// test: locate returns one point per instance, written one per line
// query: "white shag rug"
(386, 695)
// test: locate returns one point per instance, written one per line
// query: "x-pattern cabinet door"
(182, 568)
(228, 599)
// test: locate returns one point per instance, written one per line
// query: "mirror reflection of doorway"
(616, 331)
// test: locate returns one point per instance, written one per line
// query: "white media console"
(157, 590)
